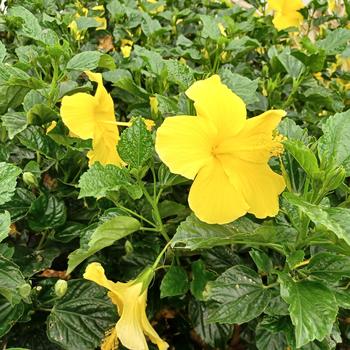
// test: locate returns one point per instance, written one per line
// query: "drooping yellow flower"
(130, 299)
(225, 153)
(92, 117)
(286, 13)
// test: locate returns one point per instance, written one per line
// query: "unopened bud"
(29, 179)
(61, 288)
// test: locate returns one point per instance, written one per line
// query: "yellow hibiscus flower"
(225, 153)
(286, 13)
(92, 117)
(130, 299)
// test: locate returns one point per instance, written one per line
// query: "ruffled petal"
(214, 101)
(129, 327)
(78, 113)
(255, 142)
(213, 198)
(184, 144)
(259, 185)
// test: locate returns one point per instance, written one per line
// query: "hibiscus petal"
(152, 334)
(78, 113)
(213, 198)
(214, 101)
(259, 185)
(254, 142)
(282, 21)
(129, 327)
(104, 147)
(184, 144)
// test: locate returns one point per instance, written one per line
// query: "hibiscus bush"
(174, 174)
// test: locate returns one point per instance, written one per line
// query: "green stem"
(156, 263)
(156, 213)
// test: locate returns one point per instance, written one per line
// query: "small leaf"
(309, 302)
(81, 317)
(99, 180)
(5, 222)
(210, 27)
(175, 282)
(8, 180)
(103, 236)
(89, 60)
(136, 144)
(2, 52)
(303, 155)
(292, 65)
(240, 296)
(200, 278)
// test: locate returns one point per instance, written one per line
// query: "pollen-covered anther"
(277, 146)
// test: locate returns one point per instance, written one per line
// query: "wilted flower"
(130, 299)
(286, 13)
(92, 117)
(225, 153)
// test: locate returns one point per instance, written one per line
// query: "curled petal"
(259, 185)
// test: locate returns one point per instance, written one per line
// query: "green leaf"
(2, 52)
(30, 25)
(240, 85)
(292, 65)
(175, 282)
(200, 277)
(9, 315)
(8, 181)
(275, 333)
(11, 279)
(14, 122)
(40, 114)
(5, 222)
(329, 267)
(214, 334)
(335, 41)
(86, 22)
(261, 260)
(333, 219)
(153, 59)
(103, 236)
(334, 145)
(136, 144)
(46, 212)
(210, 27)
(35, 139)
(312, 307)
(99, 180)
(81, 317)
(89, 60)
(303, 155)
(240, 296)
(179, 73)
(194, 234)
